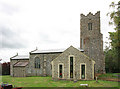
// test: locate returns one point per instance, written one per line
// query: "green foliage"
(110, 75)
(6, 68)
(115, 15)
(115, 20)
(112, 53)
(111, 61)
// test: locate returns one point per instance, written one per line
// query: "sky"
(46, 24)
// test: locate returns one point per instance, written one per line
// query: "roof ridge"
(22, 55)
(50, 49)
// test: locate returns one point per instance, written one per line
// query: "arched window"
(37, 62)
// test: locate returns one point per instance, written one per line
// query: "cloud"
(46, 38)
(8, 9)
(11, 39)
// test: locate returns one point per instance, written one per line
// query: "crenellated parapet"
(97, 14)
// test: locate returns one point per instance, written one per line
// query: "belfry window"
(37, 62)
(81, 43)
(89, 26)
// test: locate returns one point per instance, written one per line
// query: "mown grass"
(48, 82)
(110, 75)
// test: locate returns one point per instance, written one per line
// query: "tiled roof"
(21, 63)
(21, 57)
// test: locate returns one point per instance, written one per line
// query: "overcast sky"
(45, 24)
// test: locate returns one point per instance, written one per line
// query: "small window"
(83, 71)
(89, 26)
(60, 71)
(71, 67)
(51, 66)
(37, 62)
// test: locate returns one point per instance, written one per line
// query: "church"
(66, 64)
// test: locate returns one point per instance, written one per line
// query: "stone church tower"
(91, 39)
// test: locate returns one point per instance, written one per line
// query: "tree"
(115, 20)
(113, 52)
(6, 68)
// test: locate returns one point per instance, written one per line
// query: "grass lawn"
(110, 75)
(48, 82)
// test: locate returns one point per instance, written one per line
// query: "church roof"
(21, 57)
(51, 51)
(21, 63)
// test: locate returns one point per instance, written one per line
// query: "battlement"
(97, 14)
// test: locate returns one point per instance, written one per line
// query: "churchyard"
(37, 81)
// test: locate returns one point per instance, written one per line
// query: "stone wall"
(12, 62)
(45, 61)
(78, 57)
(92, 40)
(20, 71)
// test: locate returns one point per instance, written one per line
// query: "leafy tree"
(6, 68)
(115, 20)
(112, 53)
